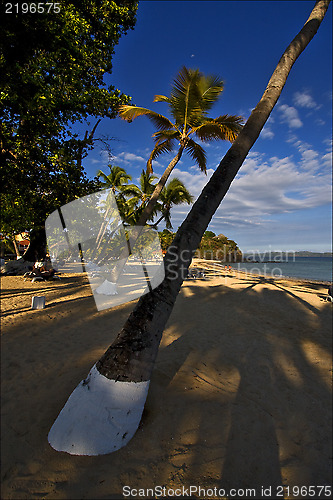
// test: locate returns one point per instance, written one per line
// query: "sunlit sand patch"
(289, 369)
(188, 292)
(320, 359)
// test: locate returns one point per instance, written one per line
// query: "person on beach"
(42, 270)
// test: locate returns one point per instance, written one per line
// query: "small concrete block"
(38, 303)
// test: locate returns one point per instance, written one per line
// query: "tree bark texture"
(132, 354)
(148, 211)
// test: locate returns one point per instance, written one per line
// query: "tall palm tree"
(174, 193)
(123, 373)
(192, 95)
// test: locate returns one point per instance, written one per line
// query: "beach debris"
(100, 416)
(38, 302)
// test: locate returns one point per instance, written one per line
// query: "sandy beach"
(240, 395)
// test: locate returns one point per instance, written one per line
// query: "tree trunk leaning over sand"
(104, 411)
(116, 362)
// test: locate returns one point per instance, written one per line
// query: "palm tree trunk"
(128, 363)
(148, 211)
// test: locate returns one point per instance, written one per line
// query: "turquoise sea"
(311, 268)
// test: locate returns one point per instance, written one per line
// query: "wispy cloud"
(266, 187)
(289, 115)
(304, 100)
(267, 133)
(131, 157)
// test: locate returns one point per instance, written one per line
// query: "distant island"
(281, 256)
(313, 254)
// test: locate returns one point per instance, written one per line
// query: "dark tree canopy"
(52, 74)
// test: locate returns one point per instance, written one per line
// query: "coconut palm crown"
(174, 193)
(192, 96)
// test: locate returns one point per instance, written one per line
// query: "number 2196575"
(32, 8)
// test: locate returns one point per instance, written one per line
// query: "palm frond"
(225, 127)
(175, 193)
(197, 153)
(104, 176)
(166, 135)
(162, 98)
(161, 147)
(185, 95)
(129, 113)
(147, 183)
(130, 190)
(210, 88)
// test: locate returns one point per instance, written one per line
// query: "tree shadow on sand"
(239, 397)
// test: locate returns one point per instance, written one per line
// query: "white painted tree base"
(99, 417)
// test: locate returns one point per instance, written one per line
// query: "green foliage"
(209, 234)
(132, 200)
(166, 238)
(174, 193)
(52, 69)
(211, 247)
(218, 248)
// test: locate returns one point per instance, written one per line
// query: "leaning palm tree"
(174, 193)
(192, 97)
(104, 411)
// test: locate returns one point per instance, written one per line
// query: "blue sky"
(281, 198)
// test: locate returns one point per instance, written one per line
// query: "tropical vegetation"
(52, 85)
(211, 247)
(132, 199)
(191, 98)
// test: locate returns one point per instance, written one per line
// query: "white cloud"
(289, 115)
(304, 100)
(131, 157)
(327, 159)
(127, 159)
(309, 160)
(264, 188)
(267, 133)
(329, 143)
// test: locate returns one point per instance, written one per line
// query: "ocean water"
(311, 268)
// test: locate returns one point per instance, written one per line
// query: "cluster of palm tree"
(132, 199)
